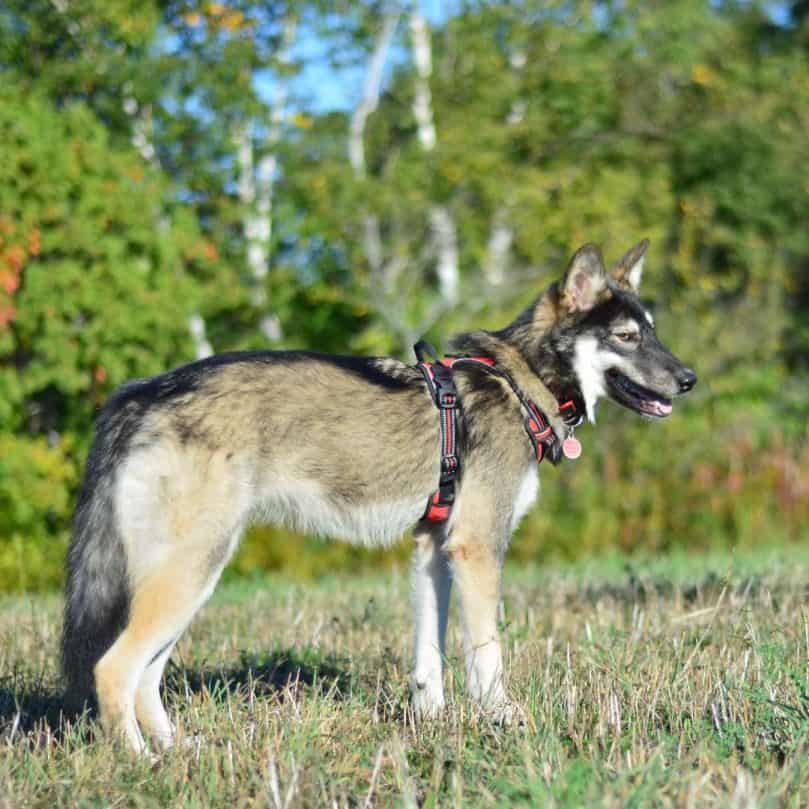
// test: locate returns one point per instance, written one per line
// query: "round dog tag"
(571, 447)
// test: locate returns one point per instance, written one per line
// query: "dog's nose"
(686, 379)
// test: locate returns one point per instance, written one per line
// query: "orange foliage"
(9, 281)
(34, 242)
(14, 257)
(7, 314)
(12, 263)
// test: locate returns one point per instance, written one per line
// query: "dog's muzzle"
(642, 400)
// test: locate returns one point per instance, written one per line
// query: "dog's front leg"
(431, 587)
(476, 567)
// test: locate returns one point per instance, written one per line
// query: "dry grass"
(676, 683)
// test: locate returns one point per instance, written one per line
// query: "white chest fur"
(526, 495)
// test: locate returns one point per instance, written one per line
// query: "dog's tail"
(97, 595)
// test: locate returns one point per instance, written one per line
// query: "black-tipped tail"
(97, 592)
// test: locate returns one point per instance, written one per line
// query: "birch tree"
(257, 184)
(498, 249)
(387, 265)
(384, 271)
(444, 233)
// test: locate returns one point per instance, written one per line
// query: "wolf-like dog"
(343, 447)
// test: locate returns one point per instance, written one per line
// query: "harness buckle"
(446, 400)
(571, 415)
(449, 466)
(536, 430)
(440, 504)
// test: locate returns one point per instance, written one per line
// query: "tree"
(96, 286)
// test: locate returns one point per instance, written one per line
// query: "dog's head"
(609, 336)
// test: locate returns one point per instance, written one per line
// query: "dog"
(343, 447)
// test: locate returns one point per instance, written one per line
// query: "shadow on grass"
(638, 589)
(29, 706)
(265, 675)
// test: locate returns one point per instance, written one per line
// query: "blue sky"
(330, 89)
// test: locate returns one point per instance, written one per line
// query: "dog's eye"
(626, 336)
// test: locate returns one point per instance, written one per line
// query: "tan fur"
(162, 606)
(291, 419)
(623, 271)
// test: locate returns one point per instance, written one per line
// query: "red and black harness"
(441, 385)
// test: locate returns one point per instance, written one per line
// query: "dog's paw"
(163, 742)
(193, 743)
(509, 715)
(504, 714)
(427, 700)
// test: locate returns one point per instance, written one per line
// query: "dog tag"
(571, 447)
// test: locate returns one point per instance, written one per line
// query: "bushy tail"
(97, 592)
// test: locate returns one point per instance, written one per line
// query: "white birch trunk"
(445, 238)
(369, 101)
(518, 105)
(497, 253)
(423, 60)
(255, 226)
(256, 185)
(370, 95)
(254, 234)
(196, 326)
(446, 247)
(496, 264)
(143, 141)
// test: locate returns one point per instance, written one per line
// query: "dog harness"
(438, 375)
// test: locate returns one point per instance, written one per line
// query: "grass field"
(674, 682)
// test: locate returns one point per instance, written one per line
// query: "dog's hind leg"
(149, 708)
(163, 605)
(181, 513)
(431, 589)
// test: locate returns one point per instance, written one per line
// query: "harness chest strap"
(438, 376)
(445, 395)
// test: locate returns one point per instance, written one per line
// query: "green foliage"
(267, 548)
(556, 123)
(36, 481)
(96, 288)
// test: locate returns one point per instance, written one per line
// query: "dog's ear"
(629, 269)
(585, 280)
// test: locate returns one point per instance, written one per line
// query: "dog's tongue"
(657, 408)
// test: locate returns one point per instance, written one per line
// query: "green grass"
(680, 682)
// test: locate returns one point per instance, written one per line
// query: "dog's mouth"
(642, 400)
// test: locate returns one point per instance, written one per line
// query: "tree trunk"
(445, 238)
